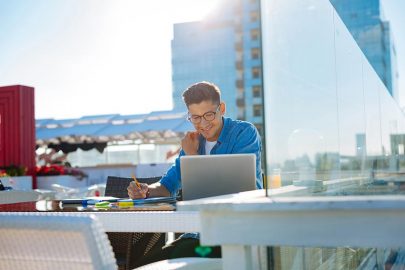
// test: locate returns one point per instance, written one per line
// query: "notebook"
(213, 175)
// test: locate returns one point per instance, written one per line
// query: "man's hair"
(202, 91)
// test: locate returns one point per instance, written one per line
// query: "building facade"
(224, 48)
(365, 21)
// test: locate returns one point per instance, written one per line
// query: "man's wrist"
(191, 153)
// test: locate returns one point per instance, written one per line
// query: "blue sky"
(89, 57)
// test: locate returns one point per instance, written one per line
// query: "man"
(214, 134)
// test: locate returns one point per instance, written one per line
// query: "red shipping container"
(17, 127)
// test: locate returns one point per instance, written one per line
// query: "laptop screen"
(213, 175)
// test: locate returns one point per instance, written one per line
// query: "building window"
(257, 110)
(238, 46)
(254, 16)
(256, 72)
(257, 91)
(255, 53)
(240, 102)
(254, 34)
(240, 83)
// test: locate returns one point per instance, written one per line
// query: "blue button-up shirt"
(237, 137)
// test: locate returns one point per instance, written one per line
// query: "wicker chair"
(129, 247)
(48, 241)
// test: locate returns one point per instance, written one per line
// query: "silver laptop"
(213, 175)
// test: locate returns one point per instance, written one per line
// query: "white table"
(153, 221)
(236, 222)
(142, 221)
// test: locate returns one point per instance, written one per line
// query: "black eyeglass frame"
(200, 117)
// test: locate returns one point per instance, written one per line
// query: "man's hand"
(190, 143)
(135, 192)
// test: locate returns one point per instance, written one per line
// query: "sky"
(92, 57)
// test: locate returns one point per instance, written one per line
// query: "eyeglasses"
(208, 116)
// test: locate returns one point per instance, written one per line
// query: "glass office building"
(224, 48)
(365, 21)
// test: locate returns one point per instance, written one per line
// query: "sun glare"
(207, 8)
(194, 10)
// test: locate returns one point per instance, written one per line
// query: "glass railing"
(331, 126)
(330, 122)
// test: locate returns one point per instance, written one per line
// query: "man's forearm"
(158, 190)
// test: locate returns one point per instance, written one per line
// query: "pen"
(136, 181)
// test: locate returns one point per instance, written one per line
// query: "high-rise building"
(224, 48)
(365, 21)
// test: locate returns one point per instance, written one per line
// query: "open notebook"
(94, 200)
(116, 191)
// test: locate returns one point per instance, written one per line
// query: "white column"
(236, 257)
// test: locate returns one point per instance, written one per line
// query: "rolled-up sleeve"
(171, 180)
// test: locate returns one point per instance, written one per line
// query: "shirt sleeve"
(249, 141)
(171, 180)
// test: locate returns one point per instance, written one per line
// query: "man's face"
(201, 115)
